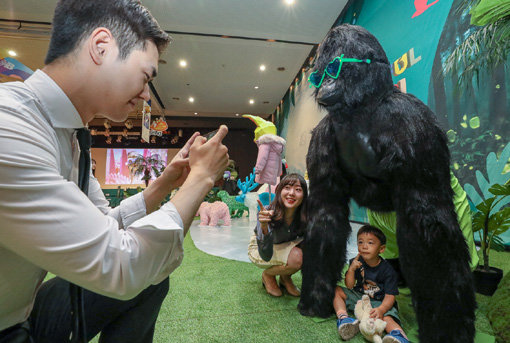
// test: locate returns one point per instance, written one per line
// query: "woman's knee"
(295, 259)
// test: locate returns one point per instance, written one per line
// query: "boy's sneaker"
(395, 336)
(347, 327)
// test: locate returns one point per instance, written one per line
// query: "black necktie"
(78, 331)
(84, 140)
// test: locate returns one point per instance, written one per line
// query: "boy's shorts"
(353, 297)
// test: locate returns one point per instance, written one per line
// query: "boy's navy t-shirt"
(376, 281)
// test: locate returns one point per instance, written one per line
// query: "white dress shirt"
(48, 224)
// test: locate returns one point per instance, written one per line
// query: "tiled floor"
(232, 242)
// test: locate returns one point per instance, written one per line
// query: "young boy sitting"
(372, 275)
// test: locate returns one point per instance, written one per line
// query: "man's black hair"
(130, 23)
(374, 231)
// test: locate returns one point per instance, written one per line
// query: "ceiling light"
(183, 63)
(256, 87)
(252, 101)
(191, 99)
(289, 2)
(12, 53)
(237, 114)
(196, 113)
(262, 67)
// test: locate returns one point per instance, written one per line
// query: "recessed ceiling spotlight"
(252, 101)
(262, 67)
(191, 99)
(196, 113)
(12, 53)
(256, 87)
(183, 63)
(237, 114)
(289, 2)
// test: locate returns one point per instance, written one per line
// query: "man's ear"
(100, 44)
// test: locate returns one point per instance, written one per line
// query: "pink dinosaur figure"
(211, 213)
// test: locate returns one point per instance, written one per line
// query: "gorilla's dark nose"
(326, 95)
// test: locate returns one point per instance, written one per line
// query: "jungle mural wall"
(418, 37)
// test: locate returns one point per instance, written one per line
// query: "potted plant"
(491, 220)
(146, 166)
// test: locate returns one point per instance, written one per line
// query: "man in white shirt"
(101, 57)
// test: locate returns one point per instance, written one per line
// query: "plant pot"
(486, 282)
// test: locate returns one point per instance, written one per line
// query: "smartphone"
(211, 134)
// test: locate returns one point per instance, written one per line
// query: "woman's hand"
(264, 218)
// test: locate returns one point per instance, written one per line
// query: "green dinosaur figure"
(236, 208)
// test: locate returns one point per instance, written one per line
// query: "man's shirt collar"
(55, 102)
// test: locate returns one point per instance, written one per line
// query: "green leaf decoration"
(486, 205)
(478, 221)
(497, 244)
(495, 168)
(489, 11)
(474, 122)
(486, 46)
(500, 189)
(452, 135)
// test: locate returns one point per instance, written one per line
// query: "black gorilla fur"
(384, 149)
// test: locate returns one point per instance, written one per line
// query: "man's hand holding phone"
(209, 157)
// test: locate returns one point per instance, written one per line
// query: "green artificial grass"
(213, 299)
(499, 310)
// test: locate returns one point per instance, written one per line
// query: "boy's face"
(369, 246)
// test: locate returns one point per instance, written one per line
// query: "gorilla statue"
(385, 150)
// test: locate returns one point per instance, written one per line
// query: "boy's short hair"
(373, 230)
(130, 23)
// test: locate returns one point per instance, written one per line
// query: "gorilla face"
(364, 70)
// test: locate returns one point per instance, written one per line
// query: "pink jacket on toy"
(269, 159)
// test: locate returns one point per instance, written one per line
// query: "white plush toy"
(372, 329)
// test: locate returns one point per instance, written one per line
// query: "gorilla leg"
(328, 225)
(435, 262)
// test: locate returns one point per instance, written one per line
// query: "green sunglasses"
(332, 70)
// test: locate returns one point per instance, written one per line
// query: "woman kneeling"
(274, 246)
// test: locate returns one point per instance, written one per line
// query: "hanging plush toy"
(269, 159)
(384, 149)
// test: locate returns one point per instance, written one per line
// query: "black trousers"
(117, 320)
